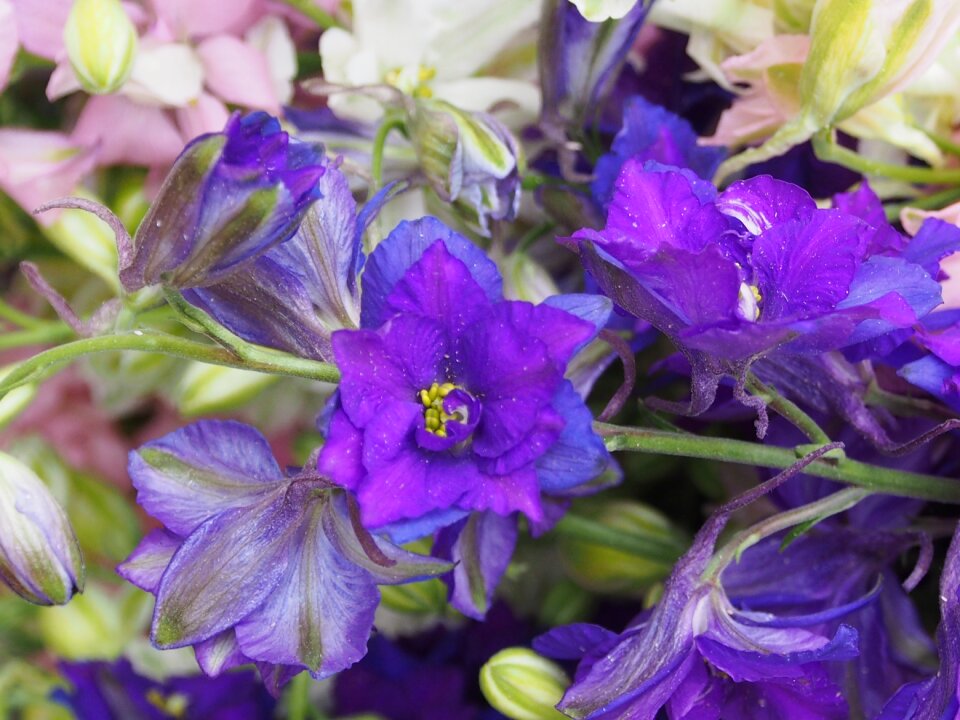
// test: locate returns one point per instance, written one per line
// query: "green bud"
(421, 598)
(39, 554)
(470, 159)
(523, 685)
(608, 570)
(101, 43)
(208, 389)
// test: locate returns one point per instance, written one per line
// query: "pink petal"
(9, 41)
(238, 73)
(202, 18)
(40, 23)
(128, 133)
(205, 115)
(38, 166)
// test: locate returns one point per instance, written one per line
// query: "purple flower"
(253, 566)
(298, 293)
(651, 132)
(115, 691)
(700, 657)
(937, 698)
(453, 400)
(580, 61)
(229, 197)
(756, 268)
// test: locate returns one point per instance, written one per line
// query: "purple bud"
(229, 197)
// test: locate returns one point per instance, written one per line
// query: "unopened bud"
(101, 43)
(208, 389)
(523, 685)
(39, 554)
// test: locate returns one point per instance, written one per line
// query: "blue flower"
(253, 566)
(453, 400)
(229, 197)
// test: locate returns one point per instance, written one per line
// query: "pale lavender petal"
(190, 475)
(220, 653)
(147, 563)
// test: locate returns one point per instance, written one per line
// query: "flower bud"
(428, 597)
(101, 43)
(39, 554)
(208, 389)
(470, 159)
(522, 685)
(229, 197)
(608, 570)
(96, 625)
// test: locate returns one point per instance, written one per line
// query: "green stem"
(828, 151)
(391, 121)
(926, 202)
(823, 508)
(275, 363)
(298, 697)
(306, 7)
(46, 334)
(651, 548)
(18, 317)
(943, 143)
(788, 411)
(905, 406)
(850, 472)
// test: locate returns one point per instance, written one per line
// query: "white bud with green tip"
(523, 685)
(101, 43)
(39, 555)
(205, 389)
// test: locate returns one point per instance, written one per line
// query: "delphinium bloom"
(115, 691)
(698, 656)
(253, 565)
(453, 401)
(229, 197)
(754, 270)
(296, 294)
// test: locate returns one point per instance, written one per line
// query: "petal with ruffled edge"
(762, 202)
(189, 476)
(579, 455)
(403, 247)
(804, 269)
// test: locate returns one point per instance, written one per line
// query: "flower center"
(749, 302)
(412, 79)
(449, 411)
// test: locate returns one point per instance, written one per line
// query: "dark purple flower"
(453, 400)
(428, 676)
(580, 61)
(115, 691)
(229, 197)
(937, 698)
(253, 566)
(755, 270)
(700, 657)
(651, 132)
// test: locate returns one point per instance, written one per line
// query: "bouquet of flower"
(438, 360)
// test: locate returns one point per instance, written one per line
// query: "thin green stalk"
(298, 697)
(943, 143)
(652, 548)
(788, 410)
(828, 151)
(850, 472)
(46, 334)
(322, 18)
(46, 363)
(390, 122)
(18, 317)
(924, 202)
(823, 508)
